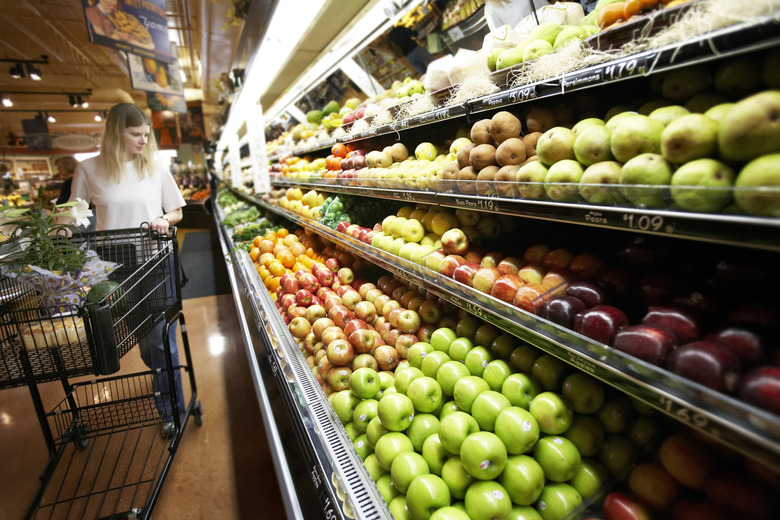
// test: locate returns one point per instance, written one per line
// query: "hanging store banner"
(154, 75)
(36, 134)
(172, 102)
(191, 123)
(134, 26)
(166, 129)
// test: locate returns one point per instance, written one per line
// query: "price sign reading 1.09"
(654, 223)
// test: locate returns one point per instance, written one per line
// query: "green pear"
(556, 144)
(739, 76)
(704, 101)
(688, 138)
(613, 120)
(751, 128)
(530, 178)
(562, 181)
(547, 31)
(590, 121)
(492, 58)
(569, 33)
(681, 84)
(770, 71)
(751, 186)
(653, 173)
(536, 48)
(667, 114)
(510, 57)
(598, 184)
(712, 183)
(647, 107)
(592, 145)
(636, 135)
(718, 112)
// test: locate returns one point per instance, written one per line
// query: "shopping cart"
(107, 458)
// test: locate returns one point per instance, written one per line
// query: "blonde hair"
(112, 150)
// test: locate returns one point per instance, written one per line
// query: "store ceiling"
(56, 28)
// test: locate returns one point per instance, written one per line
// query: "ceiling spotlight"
(84, 104)
(51, 119)
(7, 101)
(33, 72)
(98, 117)
(72, 100)
(17, 71)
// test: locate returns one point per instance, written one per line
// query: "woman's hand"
(160, 225)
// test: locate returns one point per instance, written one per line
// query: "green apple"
(408, 249)
(523, 358)
(447, 408)
(702, 185)
(556, 144)
(547, 31)
(587, 434)
(520, 388)
(668, 113)
(466, 391)
(503, 346)
(386, 488)
(435, 454)
(450, 513)
(483, 455)
(448, 375)
(389, 445)
(557, 501)
(378, 236)
(486, 333)
(423, 426)
(405, 377)
(644, 430)
(432, 361)
(364, 412)
(757, 186)
(467, 327)
(487, 500)
(374, 469)
(535, 49)
(558, 457)
(524, 512)
(549, 371)
(398, 508)
(551, 411)
(689, 137)
(517, 429)
(456, 477)
(510, 57)
(441, 339)
(459, 348)
(599, 181)
(417, 352)
(634, 136)
(592, 145)
(396, 246)
(344, 403)
(530, 180)
(590, 479)
(425, 394)
(653, 173)
(523, 479)
(616, 414)
(583, 392)
(362, 447)
(364, 382)
(352, 431)
(751, 128)
(425, 495)
(395, 411)
(386, 380)
(406, 466)
(618, 454)
(454, 429)
(495, 373)
(386, 243)
(486, 408)
(374, 431)
(562, 181)
(477, 359)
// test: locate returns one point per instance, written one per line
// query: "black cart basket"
(107, 458)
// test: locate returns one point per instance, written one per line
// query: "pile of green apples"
(464, 431)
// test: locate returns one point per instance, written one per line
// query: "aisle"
(223, 470)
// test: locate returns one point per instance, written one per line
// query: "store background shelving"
(747, 429)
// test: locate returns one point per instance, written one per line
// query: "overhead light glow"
(51, 119)
(7, 102)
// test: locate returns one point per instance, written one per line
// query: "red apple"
(320, 325)
(455, 242)
(529, 297)
(648, 343)
(708, 363)
(585, 265)
(744, 343)
(506, 286)
(485, 278)
(536, 253)
(340, 353)
(303, 297)
(510, 265)
(430, 311)
(680, 322)
(618, 506)
(740, 495)
(291, 285)
(365, 311)
(354, 325)
(761, 387)
(362, 340)
(465, 273)
(492, 259)
(338, 378)
(532, 273)
(600, 323)
(557, 259)
(588, 292)
(655, 288)
(474, 254)
(562, 310)
(425, 332)
(403, 342)
(386, 357)
(332, 264)
(449, 264)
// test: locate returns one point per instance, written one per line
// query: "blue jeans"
(153, 355)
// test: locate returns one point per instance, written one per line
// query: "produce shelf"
(747, 429)
(287, 391)
(728, 229)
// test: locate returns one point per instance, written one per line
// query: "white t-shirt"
(129, 203)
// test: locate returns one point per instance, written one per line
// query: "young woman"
(128, 186)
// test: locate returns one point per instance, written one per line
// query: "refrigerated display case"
(747, 429)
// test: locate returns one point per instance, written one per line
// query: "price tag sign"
(481, 204)
(403, 195)
(434, 115)
(653, 223)
(687, 415)
(582, 363)
(582, 79)
(626, 68)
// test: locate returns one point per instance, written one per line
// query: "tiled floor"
(222, 470)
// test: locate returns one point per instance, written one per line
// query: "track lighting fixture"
(17, 71)
(26, 68)
(33, 72)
